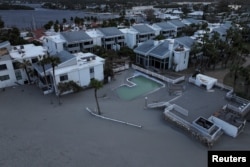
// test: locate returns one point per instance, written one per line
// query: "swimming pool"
(139, 85)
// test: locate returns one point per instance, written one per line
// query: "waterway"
(31, 19)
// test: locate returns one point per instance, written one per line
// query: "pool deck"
(34, 132)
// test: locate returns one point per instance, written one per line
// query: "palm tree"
(42, 62)
(96, 85)
(25, 65)
(54, 61)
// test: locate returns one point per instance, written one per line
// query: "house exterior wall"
(226, 127)
(181, 60)
(80, 75)
(52, 46)
(97, 41)
(9, 72)
(130, 40)
(109, 42)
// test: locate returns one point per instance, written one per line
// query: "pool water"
(142, 86)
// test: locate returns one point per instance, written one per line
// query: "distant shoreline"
(15, 7)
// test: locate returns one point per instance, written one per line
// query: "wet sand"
(36, 133)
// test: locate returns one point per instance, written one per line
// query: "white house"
(196, 14)
(136, 10)
(28, 52)
(53, 43)
(78, 67)
(130, 37)
(7, 73)
(96, 36)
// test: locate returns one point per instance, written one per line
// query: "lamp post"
(146, 102)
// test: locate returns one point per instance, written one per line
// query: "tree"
(96, 85)
(42, 62)
(25, 65)
(150, 15)
(1, 23)
(64, 20)
(54, 61)
(159, 37)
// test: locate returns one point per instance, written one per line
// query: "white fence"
(121, 68)
(161, 77)
(222, 86)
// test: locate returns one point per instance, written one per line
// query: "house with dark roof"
(222, 30)
(178, 25)
(166, 54)
(166, 29)
(190, 21)
(112, 38)
(153, 54)
(186, 41)
(76, 41)
(144, 32)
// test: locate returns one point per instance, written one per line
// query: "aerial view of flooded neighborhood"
(122, 83)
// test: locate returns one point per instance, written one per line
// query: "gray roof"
(161, 50)
(221, 30)
(165, 26)
(192, 21)
(227, 25)
(177, 23)
(63, 55)
(143, 29)
(4, 44)
(186, 41)
(145, 47)
(110, 31)
(75, 36)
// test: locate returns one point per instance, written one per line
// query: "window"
(91, 70)
(34, 60)
(3, 67)
(18, 75)
(4, 77)
(64, 77)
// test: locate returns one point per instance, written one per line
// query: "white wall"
(181, 59)
(99, 72)
(9, 71)
(226, 127)
(82, 75)
(52, 46)
(97, 41)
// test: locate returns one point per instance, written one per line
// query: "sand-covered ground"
(36, 133)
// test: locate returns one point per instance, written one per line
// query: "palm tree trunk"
(26, 71)
(97, 103)
(45, 77)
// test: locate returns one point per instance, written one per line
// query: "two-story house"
(178, 26)
(165, 54)
(144, 32)
(77, 41)
(7, 73)
(153, 54)
(78, 67)
(166, 29)
(112, 38)
(73, 41)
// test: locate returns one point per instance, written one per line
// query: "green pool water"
(143, 85)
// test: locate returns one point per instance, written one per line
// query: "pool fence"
(158, 76)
